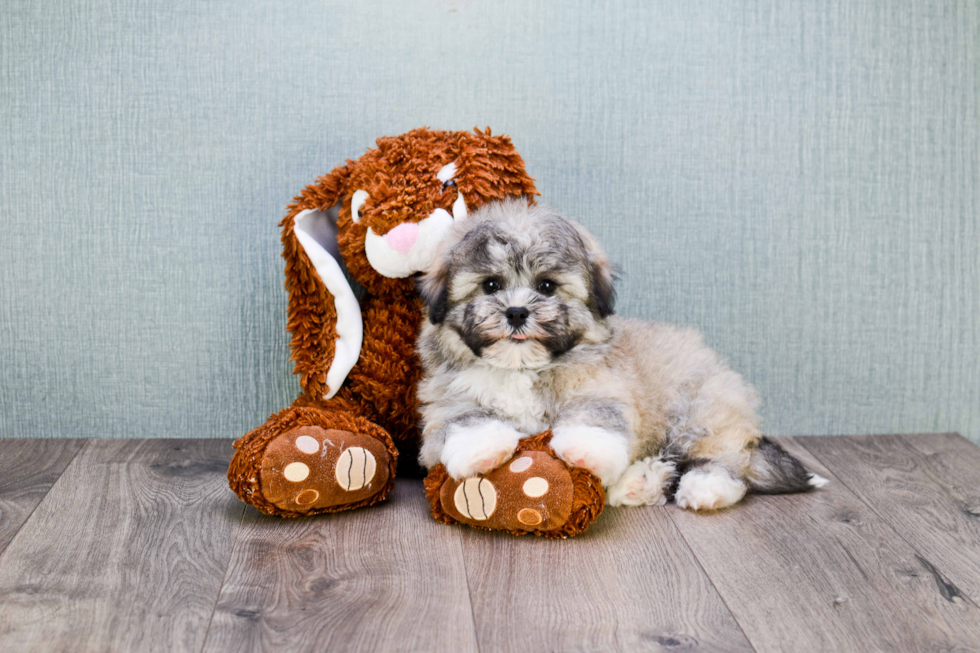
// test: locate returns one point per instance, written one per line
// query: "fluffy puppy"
(521, 338)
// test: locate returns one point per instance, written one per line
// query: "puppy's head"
(516, 285)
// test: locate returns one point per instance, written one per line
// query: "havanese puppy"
(521, 338)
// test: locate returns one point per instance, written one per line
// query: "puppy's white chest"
(507, 393)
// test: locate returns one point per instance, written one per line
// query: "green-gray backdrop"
(799, 179)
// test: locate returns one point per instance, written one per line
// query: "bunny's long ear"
(324, 314)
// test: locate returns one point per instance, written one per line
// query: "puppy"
(521, 338)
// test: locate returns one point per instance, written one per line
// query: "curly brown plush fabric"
(372, 418)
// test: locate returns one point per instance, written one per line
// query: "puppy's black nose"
(516, 316)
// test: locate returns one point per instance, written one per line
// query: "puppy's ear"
(434, 289)
(602, 275)
(603, 278)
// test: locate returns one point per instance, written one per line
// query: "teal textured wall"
(799, 179)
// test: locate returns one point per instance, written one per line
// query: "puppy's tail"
(773, 471)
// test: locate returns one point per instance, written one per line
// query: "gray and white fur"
(521, 337)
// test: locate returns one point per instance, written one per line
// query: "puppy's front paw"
(602, 452)
(478, 449)
(643, 484)
(710, 489)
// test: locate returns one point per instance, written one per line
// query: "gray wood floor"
(138, 545)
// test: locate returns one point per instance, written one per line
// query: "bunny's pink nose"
(402, 237)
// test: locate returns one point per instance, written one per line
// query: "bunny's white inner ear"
(318, 236)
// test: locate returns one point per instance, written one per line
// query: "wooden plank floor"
(138, 545)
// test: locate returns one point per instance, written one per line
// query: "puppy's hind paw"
(643, 484)
(708, 489)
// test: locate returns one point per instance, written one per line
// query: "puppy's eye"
(449, 183)
(491, 285)
(546, 286)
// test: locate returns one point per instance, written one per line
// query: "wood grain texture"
(28, 469)
(125, 553)
(139, 545)
(630, 583)
(927, 487)
(822, 572)
(384, 578)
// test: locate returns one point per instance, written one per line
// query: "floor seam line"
(46, 494)
(711, 580)
(469, 591)
(224, 578)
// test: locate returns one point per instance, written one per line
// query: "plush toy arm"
(307, 225)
